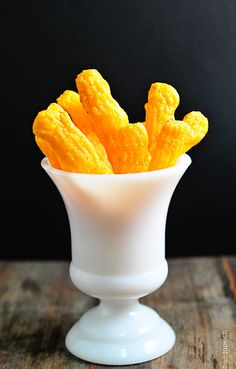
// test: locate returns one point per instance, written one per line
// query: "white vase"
(117, 225)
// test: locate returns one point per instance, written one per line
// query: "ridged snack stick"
(70, 102)
(177, 137)
(126, 144)
(163, 100)
(171, 143)
(95, 95)
(131, 153)
(74, 151)
(46, 148)
(199, 128)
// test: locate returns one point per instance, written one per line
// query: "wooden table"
(39, 303)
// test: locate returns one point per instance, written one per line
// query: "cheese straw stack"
(88, 131)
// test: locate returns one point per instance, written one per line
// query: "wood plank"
(39, 303)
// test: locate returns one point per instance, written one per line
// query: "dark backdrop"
(189, 44)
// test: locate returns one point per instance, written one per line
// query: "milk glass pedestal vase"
(117, 225)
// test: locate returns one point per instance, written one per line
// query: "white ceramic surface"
(117, 227)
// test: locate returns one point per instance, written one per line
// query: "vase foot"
(120, 333)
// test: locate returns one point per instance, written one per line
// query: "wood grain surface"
(39, 303)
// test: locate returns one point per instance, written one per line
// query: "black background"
(189, 44)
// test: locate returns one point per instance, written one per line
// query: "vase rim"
(183, 162)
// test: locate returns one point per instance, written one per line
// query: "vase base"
(120, 333)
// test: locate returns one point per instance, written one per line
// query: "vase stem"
(123, 306)
(120, 332)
